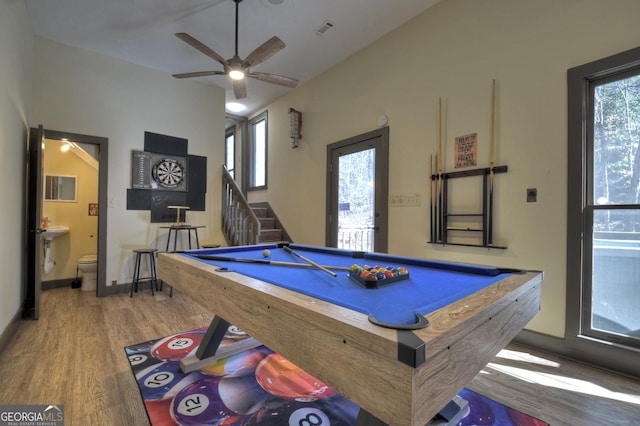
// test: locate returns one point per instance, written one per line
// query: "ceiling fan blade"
(198, 74)
(239, 89)
(202, 48)
(274, 79)
(264, 52)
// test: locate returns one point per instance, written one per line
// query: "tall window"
(230, 151)
(603, 231)
(258, 152)
(615, 206)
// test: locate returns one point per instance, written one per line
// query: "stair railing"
(240, 225)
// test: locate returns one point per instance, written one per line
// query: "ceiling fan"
(236, 68)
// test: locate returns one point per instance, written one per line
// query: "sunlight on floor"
(526, 357)
(554, 380)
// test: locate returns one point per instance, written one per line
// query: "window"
(258, 130)
(603, 222)
(614, 209)
(230, 151)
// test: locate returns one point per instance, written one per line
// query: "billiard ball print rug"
(257, 387)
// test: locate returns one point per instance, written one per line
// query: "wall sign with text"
(466, 151)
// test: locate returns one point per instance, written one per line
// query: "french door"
(357, 192)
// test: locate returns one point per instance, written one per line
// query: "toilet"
(88, 265)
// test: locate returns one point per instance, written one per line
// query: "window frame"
(251, 154)
(231, 131)
(576, 344)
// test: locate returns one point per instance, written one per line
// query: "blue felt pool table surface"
(431, 284)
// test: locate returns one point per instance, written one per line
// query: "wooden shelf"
(459, 228)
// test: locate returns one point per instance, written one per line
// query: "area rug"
(257, 387)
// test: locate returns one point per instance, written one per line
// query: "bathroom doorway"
(34, 203)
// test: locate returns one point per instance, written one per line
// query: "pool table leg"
(210, 351)
(367, 419)
(450, 415)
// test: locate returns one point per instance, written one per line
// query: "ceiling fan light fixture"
(235, 106)
(236, 74)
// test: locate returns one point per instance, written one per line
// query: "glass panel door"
(358, 192)
(356, 200)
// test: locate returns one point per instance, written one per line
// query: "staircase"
(244, 224)
(268, 232)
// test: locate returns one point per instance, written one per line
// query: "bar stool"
(153, 281)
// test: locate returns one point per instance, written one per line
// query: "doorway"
(357, 192)
(34, 200)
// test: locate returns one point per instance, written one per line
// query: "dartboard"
(168, 173)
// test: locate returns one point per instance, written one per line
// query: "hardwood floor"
(74, 356)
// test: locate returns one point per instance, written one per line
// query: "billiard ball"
(164, 380)
(217, 400)
(178, 346)
(336, 410)
(158, 410)
(280, 377)
(282, 412)
(141, 361)
(239, 364)
(266, 252)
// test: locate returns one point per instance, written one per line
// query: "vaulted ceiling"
(142, 32)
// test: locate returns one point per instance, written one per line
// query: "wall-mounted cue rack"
(444, 223)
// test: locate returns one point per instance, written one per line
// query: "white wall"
(16, 53)
(453, 51)
(82, 92)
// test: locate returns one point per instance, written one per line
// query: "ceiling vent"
(326, 26)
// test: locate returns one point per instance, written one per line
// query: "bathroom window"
(60, 188)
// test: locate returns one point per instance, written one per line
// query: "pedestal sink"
(53, 231)
(49, 234)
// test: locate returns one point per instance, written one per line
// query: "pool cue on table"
(492, 156)
(309, 261)
(263, 261)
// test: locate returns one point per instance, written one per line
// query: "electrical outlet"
(532, 195)
(396, 201)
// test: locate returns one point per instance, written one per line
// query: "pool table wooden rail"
(357, 358)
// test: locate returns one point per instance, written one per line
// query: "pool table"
(401, 351)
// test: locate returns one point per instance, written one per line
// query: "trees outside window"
(603, 212)
(230, 151)
(258, 143)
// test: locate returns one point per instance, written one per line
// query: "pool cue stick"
(431, 195)
(309, 261)
(262, 261)
(492, 158)
(440, 175)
